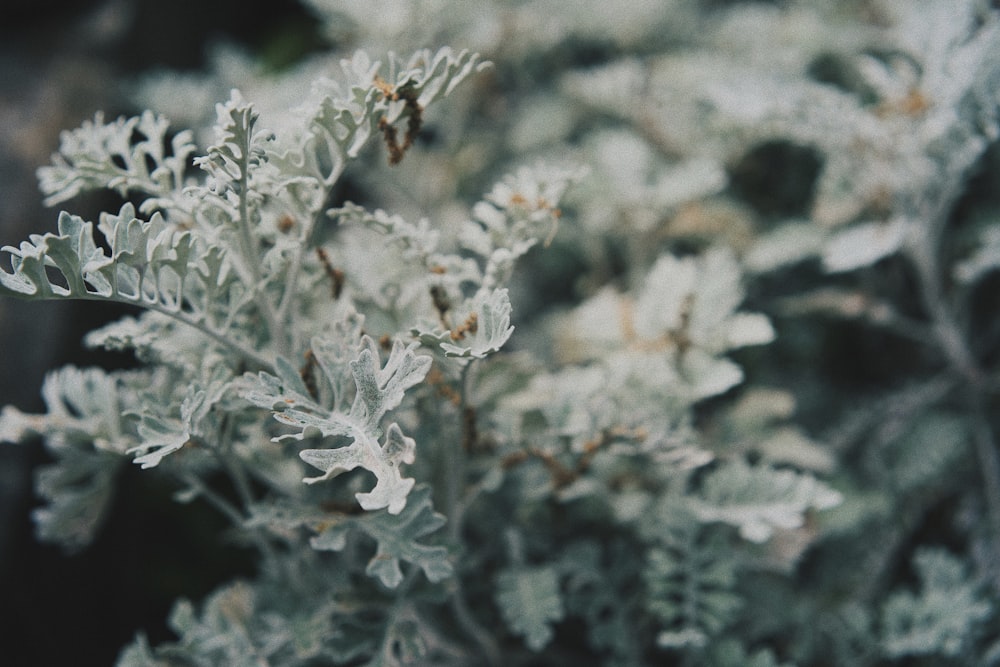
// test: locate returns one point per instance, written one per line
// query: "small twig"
(469, 326)
(442, 304)
(563, 475)
(414, 122)
(335, 275)
(308, 374)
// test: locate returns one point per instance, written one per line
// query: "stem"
(922, 246)
(251, 254)
(291, 290)
(214, 499)
(487, 644)
(454, 464)
(248, 353)
(989, 463)
(287, 300)
(292, 277)
(234, 469)
(231, 512)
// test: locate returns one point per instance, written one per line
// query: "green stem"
(989, 464)
(252, 356)
(251, 255)
(237, 474)
(288, 297)
(454, 464)
(487, 644)
(923, 246)
(214, 499)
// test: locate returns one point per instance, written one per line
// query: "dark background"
(60, 62)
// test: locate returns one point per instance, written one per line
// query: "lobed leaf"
(397, 536)
(760, 499)
(690, 579)
(530, 601)
(491, 312)
(942, 618)
(127, 155)
(377, 390)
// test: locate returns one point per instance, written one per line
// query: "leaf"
(139, 654)
(984, 259)
(760, 499)
(396, 535)
(685, 312)
(381, 390)
(436, 74)
(863, 245)
(706, 375)
(697, 299)
(78, 489)
(151, 264)
(391, 488)
(491, 329)
(690, 580)
(344, 120)
(594, 574)
(530, 602)
(788, 244)
(282, 390)
(377, 390)
(943, 618)
(404, 644)
(84, 406)
(515, 215)
(224, 632)
(160, 438)
(163, 435)
(421, 239)
(127, 156)
(86, 434)
(238, 150)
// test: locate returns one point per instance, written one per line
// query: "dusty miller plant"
(625, 478)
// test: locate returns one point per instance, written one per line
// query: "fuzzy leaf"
(863, 245)
(79, 488)
(344, 120)
(942, 618)
(984, 260)
(127, 156)
(86, 434)
(690, 579)
(383, 460)
(492, 327)
(760, 499)
(151, 264)
(377, 390)
(163, 435)
(530, 602)
(238, 150)
(396, 535)
(381, 389)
